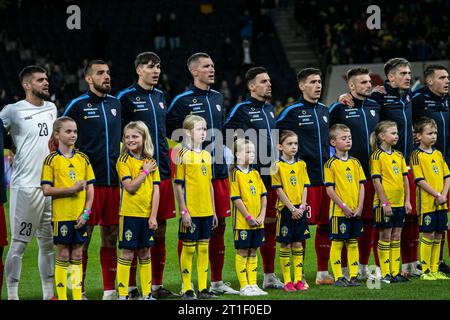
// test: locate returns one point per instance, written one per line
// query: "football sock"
(384, 249)
(297, 259)
(335, 258)
(61, 278)
(133, 269)
(145, 276)
(217, 251)
(158, 256)
(252, 269)
(352, 257)
(394, 257)
(426, 247)
(108, 260)
(46, 263)
(285, 264)
(268, 249)
(123, 276)
(241, 270)
(13, 267)
(187, 255)
(202, 264)
(434, 263)
(76, 275)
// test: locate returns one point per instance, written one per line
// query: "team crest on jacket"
(325, 119)
(114, 112)
(161, 105)
(372, 112)
(218, 107)
(89, 105)
(138, 99)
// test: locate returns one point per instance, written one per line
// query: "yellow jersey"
(193, 170)
(249, 187)
(138, 204)
(61, 172)
(432, 168)
(390, 168)
(292, 178)
(346, 176)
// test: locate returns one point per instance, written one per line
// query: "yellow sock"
(252, 270)
(297, 259)
(285, 264)
(123, 276)
(335, 258)
(145, 276)
(76, 277)
(187, 255)
(435, 251)
(394, 257)
(352, 257)
(61, 278)
(384, 249)
(426, 246)
(202, 264)
(241, 270)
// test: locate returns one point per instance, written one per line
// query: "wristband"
(183, 212)
(85, 216)
(302, 206)
(145, 172)
(342, 205)
(292, 210)
(386, 204)
(249, 217)
(438, 195)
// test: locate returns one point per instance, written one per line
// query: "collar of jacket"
(358, 102)
(255, 102)
(434, 96)
(142, 90)
(198, 90)
(394, 91)
(306, 104)
(95, 98)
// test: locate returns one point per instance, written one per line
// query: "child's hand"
(347, 212)
(357, 213)
(147, 165)
(80, 222)
(440, 200)
(297, 214)
(186, 219)
(153, 165)
(152, 223)
(408, 207)
(79, 185)
(260, 220)
(252, 222)
(215, 221)
(387, 211)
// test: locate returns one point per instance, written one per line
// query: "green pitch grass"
(30, 285)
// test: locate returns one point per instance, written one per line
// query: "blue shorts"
(395, 221)
(64, 232)
(290, 230)
(433, 221)
(246, 239)
(134, 233)
(343, 228)
(201, 228)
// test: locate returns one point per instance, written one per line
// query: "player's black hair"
(253, 72)
(146, 57)
(430, 69)
(88, 68)
(306, 72)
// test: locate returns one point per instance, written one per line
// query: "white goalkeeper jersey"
(30, 127)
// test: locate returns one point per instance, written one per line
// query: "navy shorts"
(134, 233)
(64, 232)
(246, 239)
(343, 228)
(433, 221)
(290, 230)
(395, 221)
(201, 228)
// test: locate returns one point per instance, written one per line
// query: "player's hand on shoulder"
(346, 99)
(379, 89)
